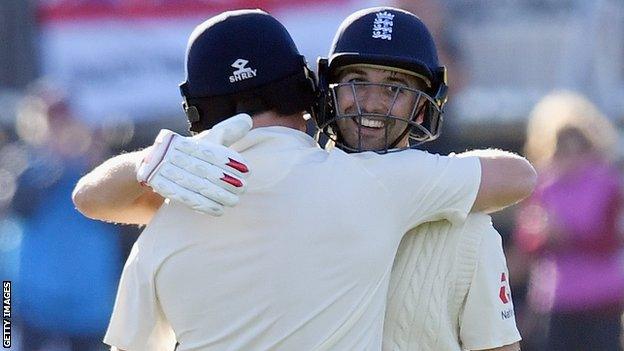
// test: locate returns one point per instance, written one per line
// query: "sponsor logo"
(242, 71)
(382, 26)
(505, 296)
(508, 313)
(503, 293)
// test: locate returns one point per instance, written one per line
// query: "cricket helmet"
(386, 38)
(243, 54)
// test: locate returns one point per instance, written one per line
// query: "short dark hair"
(287, 96)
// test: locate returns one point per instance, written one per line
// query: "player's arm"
(112, 193)
(506, 178)
(200, 172)
(487, 321)
(513, 347)
(450, 187)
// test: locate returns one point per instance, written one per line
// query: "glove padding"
(199, 171)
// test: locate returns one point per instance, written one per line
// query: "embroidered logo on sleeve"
(242, 72)
(382, 26)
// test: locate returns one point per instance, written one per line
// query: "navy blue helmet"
(384, 38)
(243, 58)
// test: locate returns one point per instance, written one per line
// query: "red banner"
(67, 10)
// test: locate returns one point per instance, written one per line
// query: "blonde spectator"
(569, 227)
(562, 111)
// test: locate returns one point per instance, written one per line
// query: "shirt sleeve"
(427, 187)
(138, 322)
(488, 319)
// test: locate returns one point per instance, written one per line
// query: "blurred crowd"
(64, 267)
(564, 245)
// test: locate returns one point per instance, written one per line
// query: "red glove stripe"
(231, 180)
(237, 166)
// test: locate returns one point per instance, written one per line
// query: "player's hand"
(199, 171)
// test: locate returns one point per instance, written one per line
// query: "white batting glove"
(199, 171)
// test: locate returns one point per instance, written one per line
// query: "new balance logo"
(382, 26)
(242, 72)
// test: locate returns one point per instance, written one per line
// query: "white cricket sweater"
(445, 289)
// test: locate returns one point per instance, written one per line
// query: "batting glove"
(199, 171)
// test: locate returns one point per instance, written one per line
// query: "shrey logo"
(382, 26)
(242, 72)
(503, 293)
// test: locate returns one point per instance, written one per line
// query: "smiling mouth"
(369, 123)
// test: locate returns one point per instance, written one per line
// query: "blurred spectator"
(68, 264)
(10, 225)
(569, 228)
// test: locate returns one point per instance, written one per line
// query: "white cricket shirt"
(302, 263)
(449, 289)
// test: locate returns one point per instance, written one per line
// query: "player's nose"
(373, 99)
